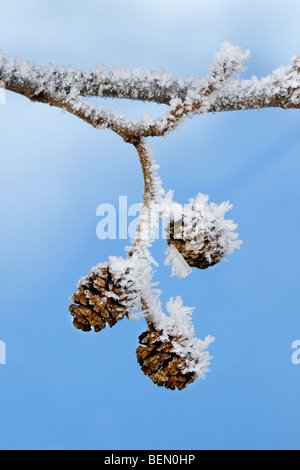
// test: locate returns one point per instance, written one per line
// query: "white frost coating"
(67, 86)
(179, 324)
(157, 190)
(85, 281)
(278, 89)
(201, 223)
(210, 220)
(218, 91)
(180, 268)
(227, 62)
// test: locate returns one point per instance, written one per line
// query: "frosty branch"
(69, 88)
(199, 235)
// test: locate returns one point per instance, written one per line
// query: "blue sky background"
(63, 389)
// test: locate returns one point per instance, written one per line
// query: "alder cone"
(99, 300)
(161, 364)
(202, 253)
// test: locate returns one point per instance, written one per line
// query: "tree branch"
(68, 88)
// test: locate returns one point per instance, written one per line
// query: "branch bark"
(69, 88)
(143, 240)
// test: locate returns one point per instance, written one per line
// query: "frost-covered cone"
(101, 298)
(201, 255)
(202, 235)
(159, 361)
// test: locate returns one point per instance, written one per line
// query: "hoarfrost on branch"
(205, 226)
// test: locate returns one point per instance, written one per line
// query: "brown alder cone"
(99, 300)
(202, 253)
(160, 363)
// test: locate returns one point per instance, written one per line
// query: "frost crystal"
(180, 268)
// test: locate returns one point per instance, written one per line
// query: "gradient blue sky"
(62, 389)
